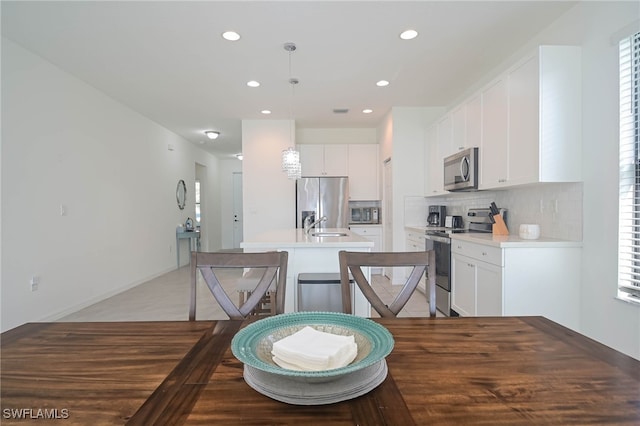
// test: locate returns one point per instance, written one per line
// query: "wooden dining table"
(485, 370)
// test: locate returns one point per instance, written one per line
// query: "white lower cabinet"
(373, 233)
(415, 241)
(477, 275)
(516, 281)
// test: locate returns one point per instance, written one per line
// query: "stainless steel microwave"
(364, 215)
(461, 171)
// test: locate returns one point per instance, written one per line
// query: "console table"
(194, 241)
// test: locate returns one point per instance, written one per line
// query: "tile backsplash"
(556, 207)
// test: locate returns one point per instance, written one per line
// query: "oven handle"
(444, 240)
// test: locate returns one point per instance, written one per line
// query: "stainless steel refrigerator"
(323, 196)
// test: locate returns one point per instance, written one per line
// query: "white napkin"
(313, 350)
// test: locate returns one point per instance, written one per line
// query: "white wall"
(65, 143)
(402, 138)
(604, 318)
(592, 25)
(268, 195)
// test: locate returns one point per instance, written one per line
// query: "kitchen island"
(309, 253)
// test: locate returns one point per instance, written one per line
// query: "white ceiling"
(168, 61)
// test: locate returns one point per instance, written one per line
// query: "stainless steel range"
(439, 240)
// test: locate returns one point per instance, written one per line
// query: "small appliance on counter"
(482, 220)
(499, 225)
(436, 216)
(454, 222)
(529, 231)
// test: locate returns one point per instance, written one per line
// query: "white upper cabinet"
(545, 117)
(454, 132)
(473, 122)
(357, 161)
(312, 159)
(445, 137)
(494, 146)
(434, 175)
(363, 172)
(458, 129)
(323, 160)
(439, 139)
(526, 122)
(531, 121)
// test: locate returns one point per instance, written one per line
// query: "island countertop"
(296, 237)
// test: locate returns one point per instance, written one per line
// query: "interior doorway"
(237, 210)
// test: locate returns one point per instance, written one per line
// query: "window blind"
(629, 208)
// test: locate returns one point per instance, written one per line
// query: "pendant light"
(290, 157)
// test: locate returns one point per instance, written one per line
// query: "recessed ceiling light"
(408, 34)
(211, 134)
(265, 111)
(231, 36)
(367, 110)
(382, 83)
(253, 83)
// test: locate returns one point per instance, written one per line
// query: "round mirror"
(181, 194)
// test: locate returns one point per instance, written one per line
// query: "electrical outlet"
(34, 282)
(541, 206)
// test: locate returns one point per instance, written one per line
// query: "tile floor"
(166, 298)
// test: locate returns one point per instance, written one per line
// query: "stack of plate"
(293, 391)
(252, 345)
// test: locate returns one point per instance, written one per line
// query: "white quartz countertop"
(282, 238)
(512, 241)
(503, 241)
(416, 228)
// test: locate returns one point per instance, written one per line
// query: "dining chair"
(421, 261)
(266, 267)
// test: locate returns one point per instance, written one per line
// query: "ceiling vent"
(340, 110)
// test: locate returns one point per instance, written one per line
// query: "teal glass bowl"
(252, 345)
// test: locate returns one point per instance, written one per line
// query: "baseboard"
(68, 311)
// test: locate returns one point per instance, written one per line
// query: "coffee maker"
(436, 215)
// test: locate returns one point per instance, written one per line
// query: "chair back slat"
(275, 270)
(353, 262)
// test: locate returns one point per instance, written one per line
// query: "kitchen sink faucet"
(308, 225)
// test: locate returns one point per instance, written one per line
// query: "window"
(197, 198)
(629, 209)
